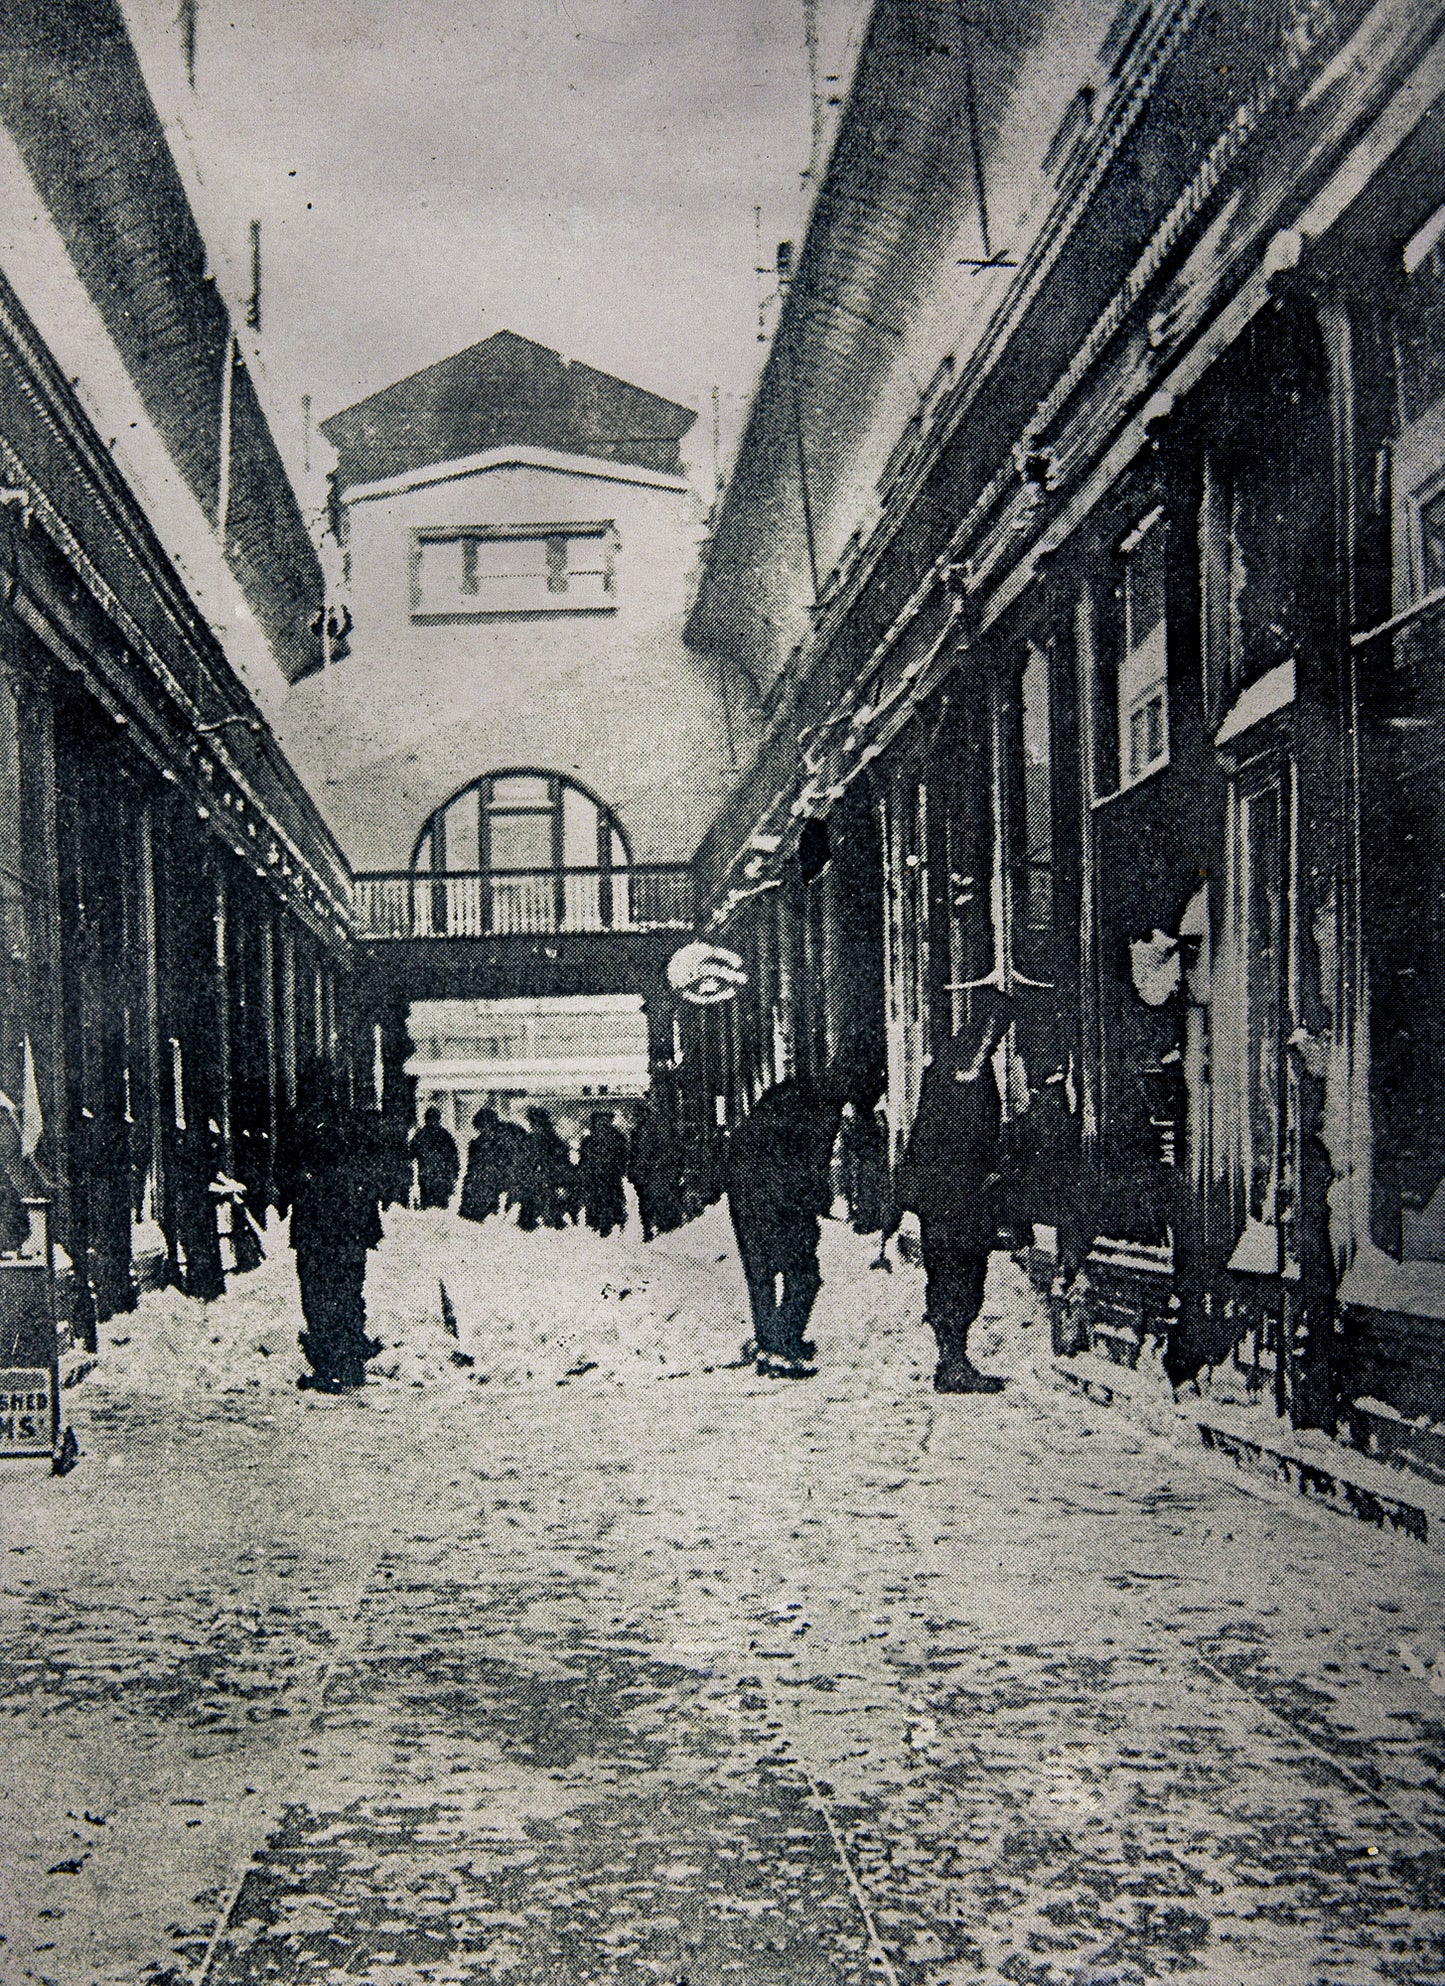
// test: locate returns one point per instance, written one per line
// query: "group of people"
(779, 1179)
(534, 1171)
(952, 1176)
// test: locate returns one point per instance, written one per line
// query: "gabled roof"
(505, 391)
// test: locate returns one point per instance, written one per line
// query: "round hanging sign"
(705, 974)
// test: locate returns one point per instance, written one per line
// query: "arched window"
(523, 850)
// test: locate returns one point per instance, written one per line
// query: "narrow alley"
(570, 1650)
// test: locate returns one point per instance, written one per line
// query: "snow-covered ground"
(603, 1658)
(544, 1308)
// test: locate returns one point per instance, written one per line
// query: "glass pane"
(438, 575)
(510, 558)
(1144, 589)
(463, 851)
(579, 829)
(1264, 919)
(1038, 791)
(1432, 542)
(521, 841)
(521, 789)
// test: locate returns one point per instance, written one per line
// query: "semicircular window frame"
(523, 850)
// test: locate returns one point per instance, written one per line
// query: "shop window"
(1255, 553)
(905, 825)
(1419, 564)
(1262, 857)
(1028, 773)
(526, 569)
(1403, 688)
(1420, 326)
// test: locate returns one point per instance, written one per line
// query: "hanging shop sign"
(29, 1348)
(705, 974)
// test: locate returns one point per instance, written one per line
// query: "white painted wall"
(614, 700)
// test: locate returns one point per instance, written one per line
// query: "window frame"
(554, 601)
(1150, 533)
(1419, 480)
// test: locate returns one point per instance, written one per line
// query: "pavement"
(571, 1650)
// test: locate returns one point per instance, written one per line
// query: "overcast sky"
(581, 171)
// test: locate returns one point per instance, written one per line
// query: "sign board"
(28, 1410)
(705, 974)
(29, 1350)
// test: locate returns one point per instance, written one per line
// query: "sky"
(584, 172)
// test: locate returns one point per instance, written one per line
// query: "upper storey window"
(1142, 684)
(502, 570)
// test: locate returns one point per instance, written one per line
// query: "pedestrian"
(513, 1162)
(486, 1167)
(541, 1173)
(654, 1165)
(602, 1168)
(334, 1221)
(864, 1138)
(951, 1178)
(778, 1186)
(199, 1154)
(435, 1151)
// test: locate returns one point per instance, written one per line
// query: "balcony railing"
(524, 902)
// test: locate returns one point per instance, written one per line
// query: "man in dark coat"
(334, 1221)
(486, 1167)
(435, 1151)
(541, 1176)
(654, 1165)
(601, 1167)
(778, 1186)
(950, 1177)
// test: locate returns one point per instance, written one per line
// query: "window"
(1256, 555)
(1143, 695)
(522, 851)
(514, 569)
(1261, 953)
(1038, 795)
(1403, 807)
(1419, 566)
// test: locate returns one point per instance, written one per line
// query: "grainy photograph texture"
(722, 993)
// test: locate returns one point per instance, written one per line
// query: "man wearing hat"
(949, 1177)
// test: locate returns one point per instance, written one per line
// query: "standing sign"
(29, 1350)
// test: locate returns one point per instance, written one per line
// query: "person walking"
(950, 1177)
(486, 1167)
(541, 1173)
(654, 1165)
(602, 1167)
(334, 1221)
(435, 1151)
(864, 1141)
(779, 1185)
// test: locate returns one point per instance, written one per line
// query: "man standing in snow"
(779, 1185)
(486, 1167)
(334, 1221)
(950, 1178)
(437, 1164)
(601, 1167)
(654, 1165)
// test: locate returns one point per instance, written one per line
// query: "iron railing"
(523, 902)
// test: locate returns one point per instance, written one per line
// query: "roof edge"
(518, 457)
